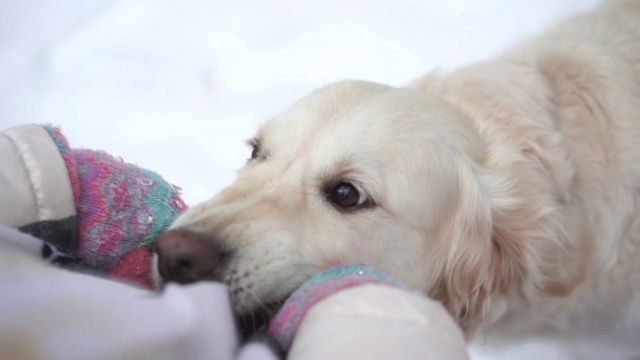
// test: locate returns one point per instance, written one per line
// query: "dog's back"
(571, 100)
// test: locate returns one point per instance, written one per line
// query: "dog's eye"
(255, 148)
(346, 195)
(254, 151)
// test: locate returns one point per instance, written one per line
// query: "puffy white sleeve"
(375, 321)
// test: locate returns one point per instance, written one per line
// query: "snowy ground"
(177, 86)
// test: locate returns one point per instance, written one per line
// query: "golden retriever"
(507, 190)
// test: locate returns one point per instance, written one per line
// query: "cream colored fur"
(508, 190)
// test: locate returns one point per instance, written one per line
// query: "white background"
(177, 86)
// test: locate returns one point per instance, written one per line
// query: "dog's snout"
(186, 257)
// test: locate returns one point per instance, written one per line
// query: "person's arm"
(355, 312)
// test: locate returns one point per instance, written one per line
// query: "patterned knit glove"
(121, 210)
(285, 324)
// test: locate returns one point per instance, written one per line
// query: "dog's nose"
(185, 257)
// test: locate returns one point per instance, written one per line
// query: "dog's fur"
(508, 190)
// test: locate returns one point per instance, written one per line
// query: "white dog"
(508, 190)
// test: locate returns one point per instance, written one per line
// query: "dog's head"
(356, 172)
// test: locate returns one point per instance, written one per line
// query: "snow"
(177, 86)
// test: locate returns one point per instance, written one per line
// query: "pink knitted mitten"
(121, 209)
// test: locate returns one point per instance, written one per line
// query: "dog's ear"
(485, 260)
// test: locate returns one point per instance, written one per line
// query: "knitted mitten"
(121, 210)
(288, 319)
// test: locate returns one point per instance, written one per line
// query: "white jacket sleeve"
(375, 321)
(34, 184)
(55, 314)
